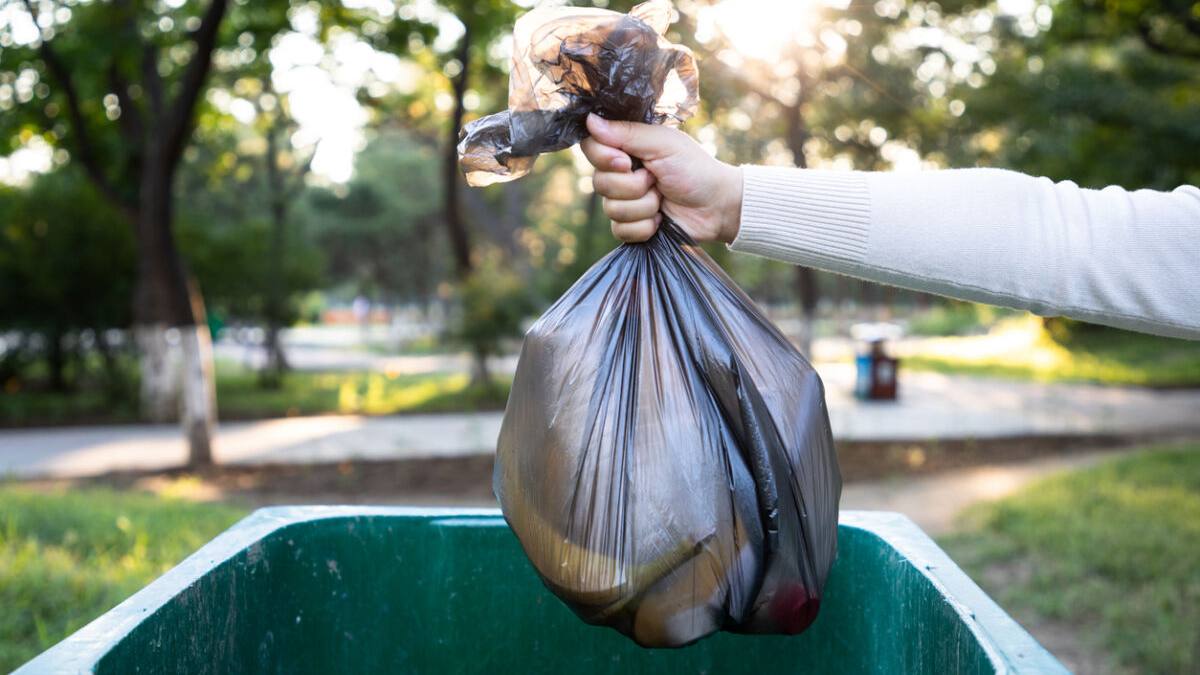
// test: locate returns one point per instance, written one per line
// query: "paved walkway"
(931, 406)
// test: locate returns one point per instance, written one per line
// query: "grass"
(239, 396)
(1112, 551)
(307, 393)
(1020, 349)
(65, 558)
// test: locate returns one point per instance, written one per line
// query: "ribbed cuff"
(809, 217)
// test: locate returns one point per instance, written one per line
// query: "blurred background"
(251, 212)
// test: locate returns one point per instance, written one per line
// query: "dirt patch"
(467, 480)
(870, 460)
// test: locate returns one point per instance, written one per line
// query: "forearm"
(1128, 259)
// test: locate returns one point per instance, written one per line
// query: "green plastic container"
(368, 590)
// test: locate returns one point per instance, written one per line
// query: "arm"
(1126, 259)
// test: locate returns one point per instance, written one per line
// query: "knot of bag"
(568, 62)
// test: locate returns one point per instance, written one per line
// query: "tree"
(105, 60)
(1106, 91)
(860, 84)
(66, 271)
(236, 159)
(377, 231)
(482, 22)
(118, 84)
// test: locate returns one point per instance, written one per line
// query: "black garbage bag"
(665, 458)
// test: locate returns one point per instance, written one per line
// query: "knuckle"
(616, 209)
(642, 230)
(602, 183)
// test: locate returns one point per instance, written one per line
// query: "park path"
(931, 406)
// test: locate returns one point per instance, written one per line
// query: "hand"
(700, 193)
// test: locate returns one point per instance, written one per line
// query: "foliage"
(66, 557)
(1111, 551)
(1107, 92)
(954, 317)
(378, 231)
(494, 302)
(228, 262)
(1022, 349)
(66, 262)
(66, 275)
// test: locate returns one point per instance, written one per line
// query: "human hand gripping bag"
(666, 459)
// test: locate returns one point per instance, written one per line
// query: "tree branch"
(297, 182)
(152, 83)
(84, 147)
(178, 122)
(1154, 44)
(131, 116)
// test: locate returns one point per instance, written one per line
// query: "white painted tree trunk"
(160, 373)
(178, 382)
(199, 416)
(804, 340)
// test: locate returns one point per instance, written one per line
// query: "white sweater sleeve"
(1126, 259)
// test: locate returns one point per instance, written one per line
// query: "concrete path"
(931, 406)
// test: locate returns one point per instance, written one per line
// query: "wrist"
(731, 211)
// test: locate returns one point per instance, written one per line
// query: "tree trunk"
(460, 237)
(481, 375)
(276, 360)
(56, 359)
(199, 383)
(176, 365)
(806, 289)
(806, 279)
(159, 392)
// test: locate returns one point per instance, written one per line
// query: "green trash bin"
(401, 590)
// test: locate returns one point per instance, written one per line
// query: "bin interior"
(398, 592)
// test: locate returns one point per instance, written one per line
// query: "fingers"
(632, 210)
(639, 230)
(647, 142)
(623, 185)
(605, 157)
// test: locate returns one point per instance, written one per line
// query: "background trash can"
(363, 589)
(876, 372)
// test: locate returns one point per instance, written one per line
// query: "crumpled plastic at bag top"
(665, 459)
(571, 61)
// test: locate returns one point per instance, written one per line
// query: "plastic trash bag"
(567, 62)
(665, 458)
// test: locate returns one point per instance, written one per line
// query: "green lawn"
(306, 393)
(1019, 348)
(1112, 552)
(239, 396)
(66, 558)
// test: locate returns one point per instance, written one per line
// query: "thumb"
(646, 142)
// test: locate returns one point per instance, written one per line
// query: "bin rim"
(1010, 648)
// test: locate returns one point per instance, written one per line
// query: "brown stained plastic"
(568, 62)
(665, 458)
